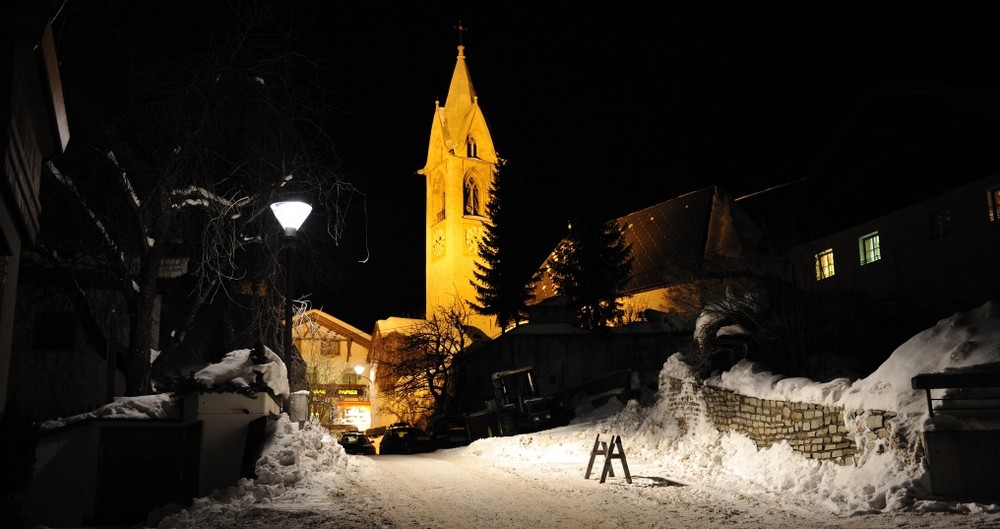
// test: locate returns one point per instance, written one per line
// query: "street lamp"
(290, 214)
(358, 369)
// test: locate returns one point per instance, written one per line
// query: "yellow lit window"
(993, 201)
(824, 264)
(868, 246)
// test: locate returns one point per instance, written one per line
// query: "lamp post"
(290, 214)
(358, 369)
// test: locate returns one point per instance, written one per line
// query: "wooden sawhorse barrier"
(609, 453)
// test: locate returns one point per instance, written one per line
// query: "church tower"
(461, 161)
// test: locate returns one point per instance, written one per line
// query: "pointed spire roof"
(460, 106)
(461, 94)
(459, 115)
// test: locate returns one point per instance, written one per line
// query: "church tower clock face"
(472, 236)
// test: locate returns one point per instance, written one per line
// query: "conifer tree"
(500, 288)
(593, 263)
(590, 268)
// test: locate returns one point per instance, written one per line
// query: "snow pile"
(699, 452)
(750, 379)
(158, 406)
(965, 340)
(244, 369)
(295, 465)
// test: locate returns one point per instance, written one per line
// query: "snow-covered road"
(535, 480)
(456, 489)
(428, 490)
(447, 492)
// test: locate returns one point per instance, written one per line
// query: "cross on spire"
(461, 29)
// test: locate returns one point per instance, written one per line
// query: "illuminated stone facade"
(461, 161)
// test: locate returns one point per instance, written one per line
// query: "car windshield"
(353, 439)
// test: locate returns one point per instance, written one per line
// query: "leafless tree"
(416, 377)
(180, 146)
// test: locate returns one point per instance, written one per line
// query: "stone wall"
(817, 431)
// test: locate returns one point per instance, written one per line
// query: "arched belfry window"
(473, 196)
(437, 199)
(470, 147)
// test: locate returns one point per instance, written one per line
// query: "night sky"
(680, 95)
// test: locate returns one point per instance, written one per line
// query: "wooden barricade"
(608, 451)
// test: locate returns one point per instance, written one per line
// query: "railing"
(966, 400)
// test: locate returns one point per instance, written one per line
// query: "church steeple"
(461, 101)
(461, 160)
(459, 118)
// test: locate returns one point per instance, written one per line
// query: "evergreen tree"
(593, 263)
(591, 267)
(501, 290)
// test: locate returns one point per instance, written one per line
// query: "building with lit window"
(337, 370)
(900, 219)
(941, 254)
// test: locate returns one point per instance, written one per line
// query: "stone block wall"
(816, 431)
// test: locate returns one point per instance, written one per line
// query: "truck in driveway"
(518, 406)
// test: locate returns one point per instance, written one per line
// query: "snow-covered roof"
(395, 324)
(676, 239)
(339, 327)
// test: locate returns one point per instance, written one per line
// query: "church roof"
(698, 233)
(396, 324)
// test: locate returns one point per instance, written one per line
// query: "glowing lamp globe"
(291, 214)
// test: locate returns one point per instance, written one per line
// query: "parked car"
(450, 431)
(405, 440)
(357, 443)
